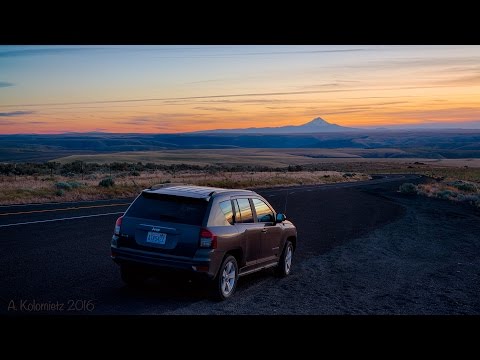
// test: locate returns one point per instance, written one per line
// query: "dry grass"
(32, 189)
(445, 170)
(443, 173)
(460, 191)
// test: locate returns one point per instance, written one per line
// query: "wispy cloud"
(211, 108)
(205, 81)
(263, 53)
(163, 127)
(419, 62)
(21, 122)
(452, 124)
(389, 103)
(161, 119)
(166, 52)
(320, 51)
(222, 96)
(318, 86)
(172, 121)
(16, 113)
(178, 98)
(13, 51)
(35, 122)
(323, 51)
(137, 121)
(425, 115)
(5, 84)
(468, 80)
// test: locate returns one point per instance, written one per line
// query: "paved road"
(59, 253)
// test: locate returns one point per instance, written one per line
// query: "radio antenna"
(286, 201)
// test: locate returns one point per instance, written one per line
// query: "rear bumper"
(205, 265)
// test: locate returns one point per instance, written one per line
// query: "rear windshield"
(175, 209)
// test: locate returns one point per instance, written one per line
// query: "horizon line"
(219, 131)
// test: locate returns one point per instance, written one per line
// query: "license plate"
(156, 238)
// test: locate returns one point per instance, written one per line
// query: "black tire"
(222, 291)
(282, 269)
(132, 275)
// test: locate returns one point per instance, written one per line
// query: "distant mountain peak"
(318, 121)
(316, 125)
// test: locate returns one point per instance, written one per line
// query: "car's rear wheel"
(285, 264)
(132, 275)
(226, 281)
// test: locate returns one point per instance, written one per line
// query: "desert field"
(267, 157)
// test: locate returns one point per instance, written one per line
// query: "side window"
(245, 211)
(226, 207)
(264, 213)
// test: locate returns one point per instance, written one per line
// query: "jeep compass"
(220, 234)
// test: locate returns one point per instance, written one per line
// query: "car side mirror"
(280, 218)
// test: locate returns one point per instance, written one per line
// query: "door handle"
(264, 230)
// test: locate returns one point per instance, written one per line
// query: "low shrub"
(59, 192)
(464, 186)
(471, 198)
(74, 184)
(446, 194)
(408, 188)
(108, 182)
(69, 185)
(63, 185)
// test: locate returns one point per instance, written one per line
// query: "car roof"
(193, 191)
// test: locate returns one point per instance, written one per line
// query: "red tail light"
(118, 225)
(208, 239)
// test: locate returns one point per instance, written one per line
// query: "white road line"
(61, 219)
(65, 202)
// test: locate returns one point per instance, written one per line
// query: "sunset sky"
(165, 89)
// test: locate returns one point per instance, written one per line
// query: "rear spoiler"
(161, 186)
(166, 185)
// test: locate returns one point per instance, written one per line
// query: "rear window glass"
(226, 207)
(175, 209)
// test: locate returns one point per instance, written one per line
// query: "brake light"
(208, 239)
(118, 225)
